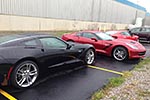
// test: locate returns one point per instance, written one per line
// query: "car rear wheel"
(25, 74)
(89, 57)
(120, 53)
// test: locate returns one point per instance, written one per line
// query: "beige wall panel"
(4, 23)
(24, 23)
(18, 23)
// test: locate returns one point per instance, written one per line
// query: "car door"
(55, 51)
(91, 38)
(143, 34)
(135, 31)
(148, 34)
(85, 38)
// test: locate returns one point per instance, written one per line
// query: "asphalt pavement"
(74, 84)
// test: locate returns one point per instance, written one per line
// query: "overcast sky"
(144, 3)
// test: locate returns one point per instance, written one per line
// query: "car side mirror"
(94, 39)
(115, 37)
(68, 46)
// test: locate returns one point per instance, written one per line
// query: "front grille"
(142, 53)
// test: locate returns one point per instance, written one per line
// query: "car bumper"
(136, 54)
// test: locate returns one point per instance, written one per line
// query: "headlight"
(132, 46)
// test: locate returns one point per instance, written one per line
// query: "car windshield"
(7, 38)
(111, 32)
(104, 36)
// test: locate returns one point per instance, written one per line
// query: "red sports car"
(120, 49)
(123, 35)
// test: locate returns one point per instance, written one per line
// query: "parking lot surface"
(74, 84)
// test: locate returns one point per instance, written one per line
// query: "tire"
(24, 74)
(89, 57)
(120, 53)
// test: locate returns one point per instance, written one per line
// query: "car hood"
(132, 42)
(125, 41)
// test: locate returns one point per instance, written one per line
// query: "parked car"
(142, 32)
(24, 57)
(122, 34)
(120, 49)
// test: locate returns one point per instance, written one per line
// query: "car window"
(143, 30)
(8, 38)
(125, 33)
(104, 36)
(147, 29)
(79, 34)
(53, 43)
(135, 30)
(111, 32)
(30, 42)
(89, 35)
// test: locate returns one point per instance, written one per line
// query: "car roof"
(141, 27)
(111, 32)
(115, 31)
(20, 36)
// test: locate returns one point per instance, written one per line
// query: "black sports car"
(23, 57)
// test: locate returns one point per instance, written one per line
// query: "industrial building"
(57, 15)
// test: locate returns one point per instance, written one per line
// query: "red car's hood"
(124, 41)
(131, 42)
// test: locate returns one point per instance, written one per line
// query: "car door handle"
(42, 50)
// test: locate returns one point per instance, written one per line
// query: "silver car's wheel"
(120, 53)
(25, 74)
(90, 57)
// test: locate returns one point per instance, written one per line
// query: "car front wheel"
(25, 74)
(89, 57)
(120, 53)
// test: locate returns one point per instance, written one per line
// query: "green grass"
(142, 62)
(113, 82)
(98, 95)
(55, 33)
(117, 81)
(59, 34)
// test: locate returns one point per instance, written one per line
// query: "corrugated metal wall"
(86, 10)
(147, 21)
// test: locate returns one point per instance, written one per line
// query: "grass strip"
(117, 81)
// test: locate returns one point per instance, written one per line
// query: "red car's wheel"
(120, 53)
